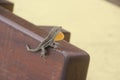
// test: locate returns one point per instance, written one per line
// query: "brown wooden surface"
(6, 4)
(66, 62)
(9, 5)
(116, 2)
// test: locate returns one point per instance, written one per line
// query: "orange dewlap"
(59, 37)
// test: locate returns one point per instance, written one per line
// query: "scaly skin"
(49, 41)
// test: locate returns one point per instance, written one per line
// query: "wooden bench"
(66, 62)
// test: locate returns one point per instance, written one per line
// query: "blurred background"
(94, 25)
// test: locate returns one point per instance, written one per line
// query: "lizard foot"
(43, 55)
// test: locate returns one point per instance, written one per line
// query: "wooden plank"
(115, 2)
(7, 4)
(66, 62)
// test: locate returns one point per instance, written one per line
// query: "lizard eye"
(59, 37)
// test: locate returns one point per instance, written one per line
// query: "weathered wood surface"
(6, 4)
(66, 62)
(115, 2)
(9, 5)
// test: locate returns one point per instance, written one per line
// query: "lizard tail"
(31, 50)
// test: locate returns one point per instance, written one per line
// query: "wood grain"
(7, 4)
(66, 62)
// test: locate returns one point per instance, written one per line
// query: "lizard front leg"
(54, 45)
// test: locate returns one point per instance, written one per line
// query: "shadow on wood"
(115, 2)
(6, 4)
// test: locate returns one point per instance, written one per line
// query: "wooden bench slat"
(66, 62)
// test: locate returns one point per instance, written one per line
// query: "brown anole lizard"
(48, 41)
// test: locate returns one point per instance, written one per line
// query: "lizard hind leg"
(43, 52)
